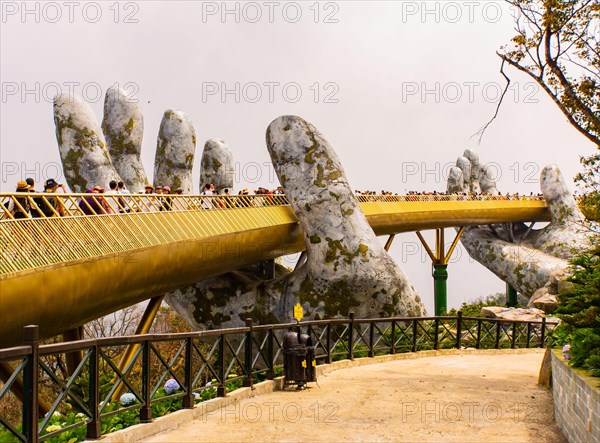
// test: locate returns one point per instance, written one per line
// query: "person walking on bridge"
(20, 207)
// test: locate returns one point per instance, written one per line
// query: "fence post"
(31, 335)
(351, 336)
(270, 355)
(221, 390)
(93, 427)
(528, 334)
(436, 343)
(393, 346)
(188, 398)
(371, 339)
(248, 354)
(328, 344)
(514, 335)
(458, 329)
(415, 325)
(478, 343)
(497, 344)
(543, 334)
(146, 409)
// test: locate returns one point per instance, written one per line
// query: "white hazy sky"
(398, 88)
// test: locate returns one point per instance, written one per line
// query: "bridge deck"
(75, 268)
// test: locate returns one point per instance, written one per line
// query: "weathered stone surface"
(516, 314)
(123, 127)
(346, 269)
(82, 147)
(543, 299)
(565, 286)
(526, 264)
(176, 146)
(217, 166)
(548, 303)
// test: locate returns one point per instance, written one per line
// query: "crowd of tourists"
(435, 195)
(118, 199)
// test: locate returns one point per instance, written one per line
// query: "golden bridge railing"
(44, 205)
(34, 234)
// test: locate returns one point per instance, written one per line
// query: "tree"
(558, 45)
(580, 310)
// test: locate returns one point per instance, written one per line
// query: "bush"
(580, 311)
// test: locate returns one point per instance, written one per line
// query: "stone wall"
(576, 401)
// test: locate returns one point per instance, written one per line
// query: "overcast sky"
(398, 89)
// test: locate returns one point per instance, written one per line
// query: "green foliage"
(580, 310)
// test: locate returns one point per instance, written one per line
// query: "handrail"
(197, 359)
(47, 205)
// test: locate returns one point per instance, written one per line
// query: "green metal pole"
(440, 277)
(511, 296)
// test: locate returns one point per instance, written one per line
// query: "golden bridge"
(61, 267)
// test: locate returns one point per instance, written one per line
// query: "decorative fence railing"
(38, 386)
(44, 205)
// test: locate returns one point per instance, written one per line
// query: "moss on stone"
(315, 239)
(216, 164)
(337, 250)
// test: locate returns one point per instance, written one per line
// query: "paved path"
(460, 398)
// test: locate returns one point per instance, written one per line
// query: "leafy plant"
(580, 311)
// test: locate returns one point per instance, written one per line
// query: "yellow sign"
(298, 312)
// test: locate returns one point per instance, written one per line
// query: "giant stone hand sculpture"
(541, 258)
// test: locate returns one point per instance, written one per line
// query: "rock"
(176, 146)
(548, 303)
(542, 292)
(123, 127)
(217, 166)
(346, 269)
(85, 159)
(516, 314)
(543, 299)
(545, 376)
(565, 286)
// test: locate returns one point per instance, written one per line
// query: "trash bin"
(298, 359)
(311, 364)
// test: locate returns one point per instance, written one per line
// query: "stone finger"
(123, 127)
(456, 181)
(473, 158)
(217, 166)
(85, 158)
(176, 146)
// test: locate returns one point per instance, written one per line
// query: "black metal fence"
(202, 365)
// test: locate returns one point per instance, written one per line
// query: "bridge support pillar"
(511, 296)
(439, 259)
(388, 243)
(440, 280)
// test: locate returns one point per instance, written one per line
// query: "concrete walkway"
(473, 396)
